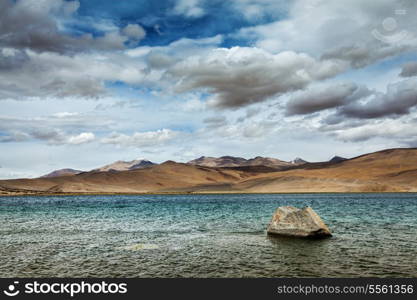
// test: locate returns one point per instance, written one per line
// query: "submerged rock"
(291, 221)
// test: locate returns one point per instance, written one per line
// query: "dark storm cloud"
(53, 136)
(23, 25)
(409, 69)
(399, 99)
(35, 25)
(238, 77)
(321, 98)
(12, 59)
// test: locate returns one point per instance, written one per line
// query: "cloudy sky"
(84, 83)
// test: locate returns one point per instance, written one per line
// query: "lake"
(204, 236)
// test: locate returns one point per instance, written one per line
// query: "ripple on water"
(204, 236)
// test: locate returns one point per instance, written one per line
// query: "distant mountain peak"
(299, 161)
(62, 172)
(169, 163)
(232, 161)
(121, 165)
(337, 159)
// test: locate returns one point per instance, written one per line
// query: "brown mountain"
(337, 159)
(62, 172)
(393, 170)
(231, 161)
(169, 176)
(224, 161)
(121, 165)
(114, 167)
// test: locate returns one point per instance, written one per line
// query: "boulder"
(294, 222)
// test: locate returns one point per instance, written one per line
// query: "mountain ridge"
(231, 161)
(122, 165)
(62, 172)
(391, 170)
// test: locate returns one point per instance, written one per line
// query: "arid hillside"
(393, 170)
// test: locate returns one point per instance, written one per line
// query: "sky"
(88, 82)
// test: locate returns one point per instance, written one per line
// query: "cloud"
(14, 136)
(57, 129)
(11, 59)
(323, 97)
(58, 137)
(250, 126)
(51, 136)
(214, 122)
(141, 139)
(189, 8)
(54, 75)
(193, 104)
(82, 138)
(36, 25)
(398, 100)
(366, 54)
(242, 76)
(400, 130)
(70, 121)
(134, 31)
(25, 74)
(352, 31)
(409, 69)
(250, 112)
(256, 10)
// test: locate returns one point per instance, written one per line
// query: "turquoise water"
(204, 236)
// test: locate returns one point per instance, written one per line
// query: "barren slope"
(169, 176)
(389, 170)
(392, 170)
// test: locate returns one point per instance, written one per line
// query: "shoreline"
(191, 193)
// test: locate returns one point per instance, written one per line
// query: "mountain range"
(219, 162)
(125, 165)
(62, 172)
(117, 166)
(231, 161)
(392, 170)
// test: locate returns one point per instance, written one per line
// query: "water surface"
(204, 236)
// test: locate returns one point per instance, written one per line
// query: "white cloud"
(54, 75)
(59, 137)
(189, 8)
(193, 105)
(141, 139)
(56, 129)
(340, 29)
(402, 130)
(254, 10)
(65, 114)
(82, 138)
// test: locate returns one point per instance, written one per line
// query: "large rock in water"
(291, 221)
